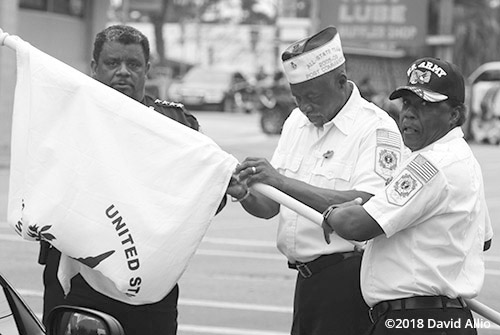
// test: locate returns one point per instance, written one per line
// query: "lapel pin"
(328, 154)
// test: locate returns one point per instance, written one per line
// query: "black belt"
(420, 302)
(315, 266)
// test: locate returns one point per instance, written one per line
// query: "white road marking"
(13, 238)
(199, 303)
(245, 254)
(232, 305)
(240, 254)
(236, 241)
(227, 305)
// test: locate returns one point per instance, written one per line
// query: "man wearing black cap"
(427, 228)
(334, 147)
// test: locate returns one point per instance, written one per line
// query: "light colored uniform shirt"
(435, 220)
(359, 149)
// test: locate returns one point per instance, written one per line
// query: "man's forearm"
(319, 198)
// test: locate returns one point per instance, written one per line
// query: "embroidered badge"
(387, 153)
(421, 77)
(410, 181)
(403, 188)
(423, 168)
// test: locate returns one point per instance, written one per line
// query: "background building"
(64, 29)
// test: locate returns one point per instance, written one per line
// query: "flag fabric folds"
(125, 193)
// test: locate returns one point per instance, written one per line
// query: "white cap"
(313, 56)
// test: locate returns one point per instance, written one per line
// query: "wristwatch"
(327, 229)
(328, 212)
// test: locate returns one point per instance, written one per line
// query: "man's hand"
(258, 170)
(236, 189)
(327, 224)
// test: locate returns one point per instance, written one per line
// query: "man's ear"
(93, 68)
(148, 67)
(342, 80)
(454, 116)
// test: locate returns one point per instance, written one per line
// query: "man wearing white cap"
(335, 146)
(428, 227)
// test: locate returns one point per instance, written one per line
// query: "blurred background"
(221, 58)
(223, 55)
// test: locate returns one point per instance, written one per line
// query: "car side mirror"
(70, 320)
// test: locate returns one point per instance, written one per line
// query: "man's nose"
(407, 112)
(123, 69)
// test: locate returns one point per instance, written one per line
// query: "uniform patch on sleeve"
(423, 168)
(410, 181)
(387, 153)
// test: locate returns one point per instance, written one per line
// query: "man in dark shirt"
(121, 61)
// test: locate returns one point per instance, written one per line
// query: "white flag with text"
(125, 193)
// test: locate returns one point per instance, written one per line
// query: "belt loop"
(403, 305)
(304, 270)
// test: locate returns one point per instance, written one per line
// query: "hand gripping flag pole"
(317, 218)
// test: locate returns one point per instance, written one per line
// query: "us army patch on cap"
(387, 153)
(410, 181)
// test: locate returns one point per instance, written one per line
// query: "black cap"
(433, 80)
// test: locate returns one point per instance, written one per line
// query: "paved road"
(237, 283)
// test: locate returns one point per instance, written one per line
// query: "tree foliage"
(476, 30)
(157, 20)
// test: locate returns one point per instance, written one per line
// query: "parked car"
(214, 87)
(16, 317)
(483, 101)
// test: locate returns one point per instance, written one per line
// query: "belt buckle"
(304, 270)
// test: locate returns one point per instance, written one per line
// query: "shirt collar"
(344, 120)
(453, 134)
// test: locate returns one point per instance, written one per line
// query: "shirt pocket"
(287, 164)
(334, 170)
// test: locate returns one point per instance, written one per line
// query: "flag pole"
(316, 217)
(8, 40)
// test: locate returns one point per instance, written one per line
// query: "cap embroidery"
(420, 77)
(438, 70)
(309, 64)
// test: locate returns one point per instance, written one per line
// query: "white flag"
(124, 190)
